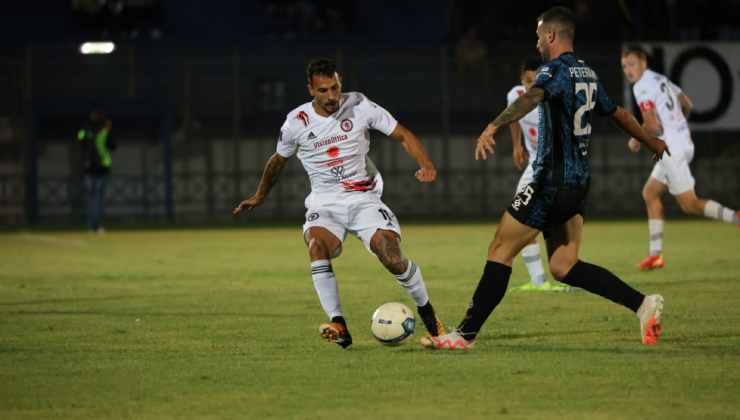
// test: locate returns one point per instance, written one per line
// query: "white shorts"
(674, 171)
(526, 178)
(359, 213)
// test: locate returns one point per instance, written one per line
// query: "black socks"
(602, 282)
(495, 279)
(491, 289)
(339, 320)
(426, 313)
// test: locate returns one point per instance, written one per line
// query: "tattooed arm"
(519, 108)
(270, 175)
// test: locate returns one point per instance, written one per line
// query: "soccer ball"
(392, 323)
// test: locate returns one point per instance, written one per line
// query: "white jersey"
(333, 149)
(655, 92)
(530, 123)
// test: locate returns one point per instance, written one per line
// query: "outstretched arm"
(629, 124)
(521, 107)
(270, 175)
(514, 112)
(409, 141)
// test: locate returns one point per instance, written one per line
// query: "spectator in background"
(96, 144)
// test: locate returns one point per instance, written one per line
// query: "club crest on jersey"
(303, 117)
(346, 125)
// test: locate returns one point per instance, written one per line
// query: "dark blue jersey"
(572, 91)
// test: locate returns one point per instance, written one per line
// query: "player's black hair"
(530, 63)
(636, 50)
(563, 18)
(321, 66)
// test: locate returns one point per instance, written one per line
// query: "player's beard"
(331, 107)
(545, 54)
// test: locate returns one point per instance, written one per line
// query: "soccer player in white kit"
(524, 155)
(665, 107)
(331, 137)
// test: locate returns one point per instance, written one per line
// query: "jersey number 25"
(590, 89)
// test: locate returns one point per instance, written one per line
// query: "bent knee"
(649, 195)
(646, 195)
(318, 248)
(693, 207)
(499, 251)
(561, 267)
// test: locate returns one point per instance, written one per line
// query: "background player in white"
(525, 131)
(664, 109)
(331, 137)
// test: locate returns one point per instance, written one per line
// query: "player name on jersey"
(583, 73)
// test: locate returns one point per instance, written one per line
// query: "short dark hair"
(530, 63)
(563, 18)
(323, 66)
(636, 50)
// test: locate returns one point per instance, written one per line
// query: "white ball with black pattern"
(392, 323)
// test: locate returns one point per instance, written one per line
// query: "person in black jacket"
(96, 144)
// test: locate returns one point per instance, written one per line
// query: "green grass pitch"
(222, 324)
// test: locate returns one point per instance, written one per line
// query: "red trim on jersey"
(647, 106)
(361, 185)
(303, 117)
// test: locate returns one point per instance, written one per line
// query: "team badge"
(346, 125)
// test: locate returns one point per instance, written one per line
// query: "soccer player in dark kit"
(566, 90)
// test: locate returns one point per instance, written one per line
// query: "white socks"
(413, 282)
(717, 211)
(326, 287)
(531, 257)
(656, 236)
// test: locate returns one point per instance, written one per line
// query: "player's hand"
(486, 143)
(426, 174)
(248, 204)
(634, 145)
(520, 157)
(658, 147)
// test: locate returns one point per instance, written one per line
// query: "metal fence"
(194, 128)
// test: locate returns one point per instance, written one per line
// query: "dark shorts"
(542, 207)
